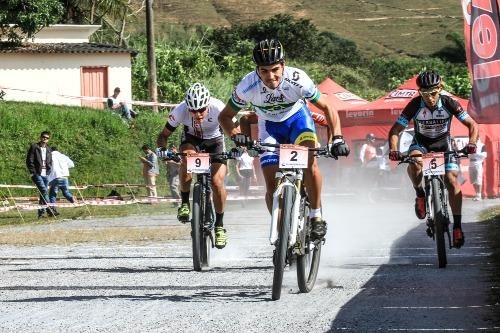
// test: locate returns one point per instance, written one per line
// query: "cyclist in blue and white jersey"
(277, 93)
(198, 115)
(432, 113)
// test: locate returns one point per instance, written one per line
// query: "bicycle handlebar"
(412, 158)
(260, 147)
(225, 155)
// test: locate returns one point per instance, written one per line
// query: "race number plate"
(198, 163)
(433, 164)
(293, 156)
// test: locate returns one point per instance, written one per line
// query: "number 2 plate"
(433, 164)
(198, 163)
(293, 156)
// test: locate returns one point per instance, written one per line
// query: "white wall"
(54, 74)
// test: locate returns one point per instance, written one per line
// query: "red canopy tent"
(378, 116)
(339, 97)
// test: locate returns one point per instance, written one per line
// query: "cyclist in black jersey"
(432, 113)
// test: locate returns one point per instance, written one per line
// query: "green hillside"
(377, 26)
(102, 146)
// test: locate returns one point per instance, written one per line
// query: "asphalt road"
(378, 273)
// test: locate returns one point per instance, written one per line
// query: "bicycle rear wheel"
(196, 226)
(282, 245)
(308, 262)
(439, 221)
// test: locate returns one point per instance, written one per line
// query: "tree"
(24, 18)
(112, 15)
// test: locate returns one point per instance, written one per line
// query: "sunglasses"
(198, 111)
(45, 137)
(429, 93)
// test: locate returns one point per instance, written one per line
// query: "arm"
(473, 129)
(237, 167)
(362, 153)
(332, 117)
(394, 136)
(226, 121)
(30, 160)
(161, 141)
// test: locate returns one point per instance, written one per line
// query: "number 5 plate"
(198, 163)
(293, 156)
(433, 164)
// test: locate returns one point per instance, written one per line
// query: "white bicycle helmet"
(197, 97)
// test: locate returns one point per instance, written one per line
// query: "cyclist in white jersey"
(198, 114)
(432, 113)
(277, 93)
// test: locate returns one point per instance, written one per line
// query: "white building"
(60, 64)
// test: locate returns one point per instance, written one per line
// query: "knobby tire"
(439, 221)
(308, 263)
(196, 223)
(282, 245)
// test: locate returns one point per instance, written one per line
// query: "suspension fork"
(283, 181)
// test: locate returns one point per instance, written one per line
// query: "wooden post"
(153, 88)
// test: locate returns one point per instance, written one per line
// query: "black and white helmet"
(197, 97)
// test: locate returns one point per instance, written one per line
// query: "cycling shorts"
(296, 129)
(215, 145)
(425, 145)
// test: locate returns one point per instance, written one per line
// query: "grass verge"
(30, 216)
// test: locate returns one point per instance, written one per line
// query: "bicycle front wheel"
(308, 260)
(439, 221)
(282, 245)
(196, 225)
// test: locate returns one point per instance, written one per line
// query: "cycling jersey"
(295, 129)
(432, 128)
(208, 128)
(275, 104)
(432, 125)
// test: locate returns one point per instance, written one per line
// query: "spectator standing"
(245, 171)
(173, 165)
(368, 151)
(123, 108)
(150, 170)
(58, 178)
(476, 169)
(39, 164)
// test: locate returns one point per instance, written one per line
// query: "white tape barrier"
(91, 98)
(111, 202)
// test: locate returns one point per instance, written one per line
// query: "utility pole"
(153, 88)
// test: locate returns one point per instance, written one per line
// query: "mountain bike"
(290, 230)
(203, 215)
(436, 198)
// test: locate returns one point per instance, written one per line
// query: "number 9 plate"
(198, 163)
(433, 164)
(293, 156)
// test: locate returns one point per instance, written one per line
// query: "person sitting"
(123, 108)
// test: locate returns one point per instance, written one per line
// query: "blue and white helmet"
(197, 97)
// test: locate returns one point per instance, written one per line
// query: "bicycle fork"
(297, 224)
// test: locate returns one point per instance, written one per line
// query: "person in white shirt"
(245, 171)
(125, 109)
(278, 93)
(476, 169)
(197, 115)
(58, 178)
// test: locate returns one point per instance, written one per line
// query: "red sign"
(482, 31)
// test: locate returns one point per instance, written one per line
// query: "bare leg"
(219, 191)
(454, 192)
(269, 174)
